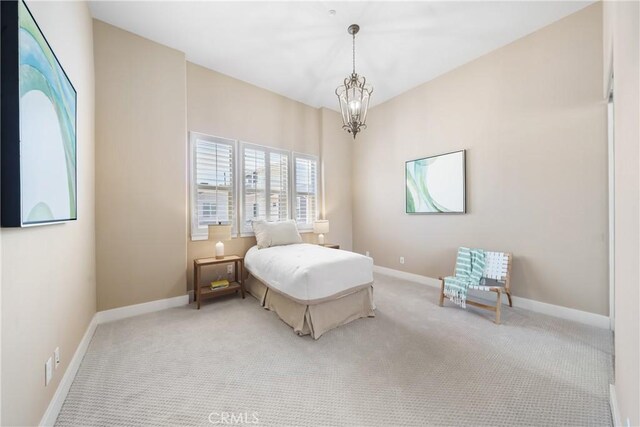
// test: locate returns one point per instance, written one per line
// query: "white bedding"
(309, 273)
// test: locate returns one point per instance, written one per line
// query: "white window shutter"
(306, 190)
(279, 186)
(254, 186)
(265, 185)
(212, 184)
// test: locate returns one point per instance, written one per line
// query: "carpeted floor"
(414, 364)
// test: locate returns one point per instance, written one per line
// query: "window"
(212, 183)
(265, 185)
(271, 184)
(306, 190)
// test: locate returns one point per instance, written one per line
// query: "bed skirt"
(314, 319)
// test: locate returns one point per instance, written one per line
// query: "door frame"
(611, 200)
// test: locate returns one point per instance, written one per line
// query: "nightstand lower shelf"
(206, 292)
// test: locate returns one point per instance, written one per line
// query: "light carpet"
(414, 364)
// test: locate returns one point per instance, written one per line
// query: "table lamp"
(218, 233)
(320, 227)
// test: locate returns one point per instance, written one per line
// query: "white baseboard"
(51, 414)
(613, 403)
(579, 316)
(584, 317)
(138, 309)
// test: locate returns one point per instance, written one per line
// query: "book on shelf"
(217, 284)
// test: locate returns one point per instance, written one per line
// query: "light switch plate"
(56, 357)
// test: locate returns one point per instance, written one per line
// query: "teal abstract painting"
(47, 129)
(436, 184)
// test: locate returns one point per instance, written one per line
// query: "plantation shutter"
(214, 184)
(278, 186)
(306, 189)
(265, 185)
(254, 186)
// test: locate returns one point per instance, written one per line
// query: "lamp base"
(219, 250)
(321, 239)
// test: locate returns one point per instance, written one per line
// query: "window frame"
(244, 232)
(305, 227)
(198, 233)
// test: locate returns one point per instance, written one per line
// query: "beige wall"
(621, 38)
(140, 169)
(532, 119)
(336, 147)
(48, 274)
(222, 106)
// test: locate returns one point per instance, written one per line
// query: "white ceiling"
(299, 50)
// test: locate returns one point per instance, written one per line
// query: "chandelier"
(354, 95)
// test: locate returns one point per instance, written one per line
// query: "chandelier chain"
(354, 53)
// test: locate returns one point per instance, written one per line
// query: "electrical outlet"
(367, 253)
(56, 357)
(229, 269)
(48, 371)
(401, 260)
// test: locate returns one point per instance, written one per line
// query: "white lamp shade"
(219, 233)
(321, 226)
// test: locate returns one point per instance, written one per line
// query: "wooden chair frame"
(498, 290)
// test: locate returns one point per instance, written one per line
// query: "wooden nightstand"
(203, 291)
(331, 245)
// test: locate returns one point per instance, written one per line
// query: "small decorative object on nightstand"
(321, 227)
(331, 245)
(204, 291)
(218, 233)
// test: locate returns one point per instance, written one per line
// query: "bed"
(311, 288)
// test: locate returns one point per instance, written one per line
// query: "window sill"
(201, 237)
(251, 234)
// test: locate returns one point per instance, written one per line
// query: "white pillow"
(275, 233)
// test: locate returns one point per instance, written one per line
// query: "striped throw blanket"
(469, 268)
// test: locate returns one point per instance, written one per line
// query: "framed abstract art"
(435, 184)
(38, 138)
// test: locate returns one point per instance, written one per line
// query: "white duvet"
(309, 272)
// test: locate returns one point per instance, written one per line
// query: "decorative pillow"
(275, 233)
